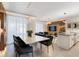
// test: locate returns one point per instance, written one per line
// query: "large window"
(16, 26)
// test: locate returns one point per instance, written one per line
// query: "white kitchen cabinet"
(66, 41)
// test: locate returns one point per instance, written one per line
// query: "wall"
(72, 20)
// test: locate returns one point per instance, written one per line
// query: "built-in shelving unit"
(60, 27)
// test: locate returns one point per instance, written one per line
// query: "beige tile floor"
(58, 52)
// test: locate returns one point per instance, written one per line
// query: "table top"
(34, 39)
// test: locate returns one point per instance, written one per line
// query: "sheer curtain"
(39, 27)
(15, 25)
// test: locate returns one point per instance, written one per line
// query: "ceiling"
(45, 10)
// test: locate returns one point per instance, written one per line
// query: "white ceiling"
(44, 9)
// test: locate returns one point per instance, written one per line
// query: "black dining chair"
(19, 49)
(47, 43)
(21, 42)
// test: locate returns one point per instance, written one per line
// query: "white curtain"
(39, 27)
(16, 26)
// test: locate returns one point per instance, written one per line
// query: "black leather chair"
(47, 43)
(21, 47)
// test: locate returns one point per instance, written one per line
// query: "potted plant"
(29, 32)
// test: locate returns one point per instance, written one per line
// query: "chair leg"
(53, 47)
(48, 50)
(18, 55)
(32, 54)
(41, 47)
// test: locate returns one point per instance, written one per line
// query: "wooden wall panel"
(2, 45)
(1, 7)
(60, 27)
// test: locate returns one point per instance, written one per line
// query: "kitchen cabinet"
(66, 41)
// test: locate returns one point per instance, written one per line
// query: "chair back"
(50, 39)
(15, 38)
(20, 46)
(18, 49)
(21, 42)
(16, 45)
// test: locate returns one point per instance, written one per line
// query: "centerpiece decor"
(29, 32)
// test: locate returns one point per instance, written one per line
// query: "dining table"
(36, 38)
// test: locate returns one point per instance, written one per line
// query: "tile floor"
(58, 52)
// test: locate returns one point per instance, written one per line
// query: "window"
(16, 26)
